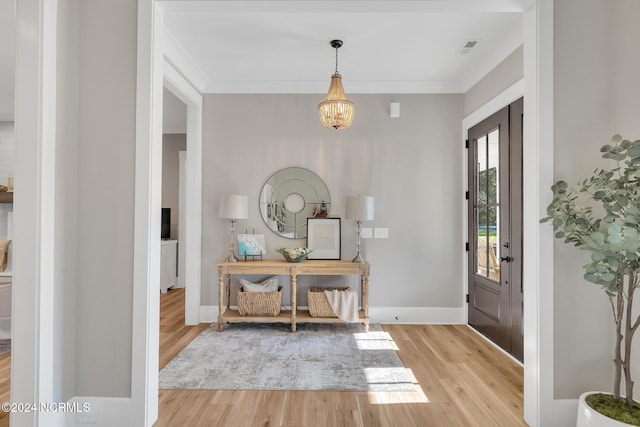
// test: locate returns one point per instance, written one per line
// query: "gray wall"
(411, 165)
(172, 144)
(596, 93)
(94, 196)
(504, 75)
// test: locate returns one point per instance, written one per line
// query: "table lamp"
(233, 207)
(360, 208)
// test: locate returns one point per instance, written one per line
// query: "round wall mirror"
(289, 197)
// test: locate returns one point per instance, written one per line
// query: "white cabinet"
(168, 263)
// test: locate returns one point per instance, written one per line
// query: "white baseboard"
(400, 315)
(92, 411)
(417, 315)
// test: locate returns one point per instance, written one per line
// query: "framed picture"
(251, 245)
(323, 237)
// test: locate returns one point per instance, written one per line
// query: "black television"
(165, 224)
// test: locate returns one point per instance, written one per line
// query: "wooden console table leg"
(221, 292)
(365, 299)
(294, 300)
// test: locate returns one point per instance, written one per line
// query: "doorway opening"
(495, 228)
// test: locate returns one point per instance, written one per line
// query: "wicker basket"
(265, 304)
(318, 304)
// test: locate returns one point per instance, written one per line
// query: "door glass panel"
(487, 205)
(481, 177)
(493, 161)
(482, 262)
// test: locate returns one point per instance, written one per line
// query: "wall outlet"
(366, 232)
(381, 233)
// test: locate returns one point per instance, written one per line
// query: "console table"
(293, 316)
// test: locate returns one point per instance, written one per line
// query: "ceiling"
(264, 46)
(389, 46)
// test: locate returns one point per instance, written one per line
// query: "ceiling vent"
(468, 45)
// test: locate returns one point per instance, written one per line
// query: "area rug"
(5, 346)
(270, 357)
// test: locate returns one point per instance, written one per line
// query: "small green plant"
(612, 235)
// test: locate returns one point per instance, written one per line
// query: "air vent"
(468, 45)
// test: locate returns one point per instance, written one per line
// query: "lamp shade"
(234, 206)
(360, 208)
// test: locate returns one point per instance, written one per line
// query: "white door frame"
(175, 83)
(31, 381)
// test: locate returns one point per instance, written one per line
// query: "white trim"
(386, 315)
(175, 82)
(540, 408)
(417, 315)
(506, 97)
(32, 368)
(102, 411)
(182, 209)
(174, 129)
(175, 54)
(146, 255)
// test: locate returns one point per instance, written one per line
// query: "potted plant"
(611, 233)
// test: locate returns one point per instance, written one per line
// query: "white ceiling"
(264, 46)
(389, 46)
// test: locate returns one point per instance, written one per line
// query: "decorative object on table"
(294, 254)
(336, 112)
(267, 285)
(4, 254)
(323, 237)
(613, 239)
(265, 304)
(233, 207)
(10, 183)
(251, 246)
(289, 197)
(333, 302)
(359, 209)
(306, 360)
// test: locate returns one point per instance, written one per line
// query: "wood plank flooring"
(461, 381)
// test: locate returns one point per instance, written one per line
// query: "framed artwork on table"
(323, 238)
(251, 245)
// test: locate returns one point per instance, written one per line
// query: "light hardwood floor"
(461, 381)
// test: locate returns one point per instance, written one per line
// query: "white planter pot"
(589, 417)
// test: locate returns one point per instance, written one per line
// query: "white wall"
(596, 93)
(172, 144)
(411, 165)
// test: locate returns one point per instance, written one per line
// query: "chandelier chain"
(336, 60)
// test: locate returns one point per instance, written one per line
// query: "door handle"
(506, 259)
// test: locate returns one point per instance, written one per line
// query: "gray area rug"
(5, 346)
(270, 357)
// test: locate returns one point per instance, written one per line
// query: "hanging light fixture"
(336, 112)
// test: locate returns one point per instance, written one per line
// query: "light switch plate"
(381, 233)
(366, 232)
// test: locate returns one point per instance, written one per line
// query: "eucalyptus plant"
(602, 215)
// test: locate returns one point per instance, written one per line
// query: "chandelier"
(336, 112)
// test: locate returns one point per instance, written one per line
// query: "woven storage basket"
(265, 304)
(318, 304)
